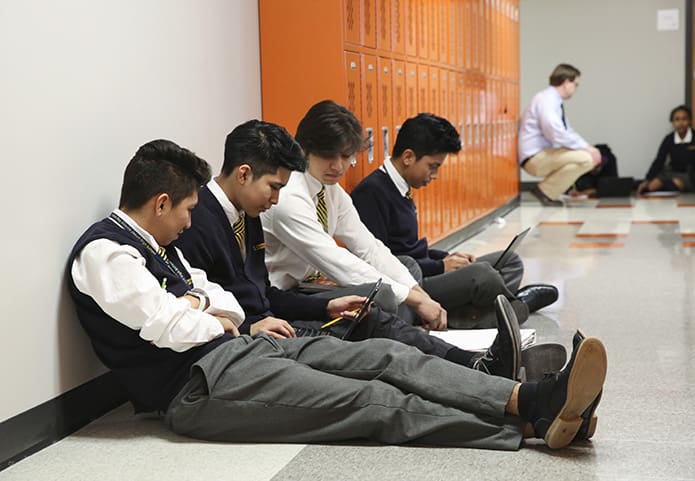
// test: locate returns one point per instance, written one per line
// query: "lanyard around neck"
(162, 259)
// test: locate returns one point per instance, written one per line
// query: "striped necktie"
(409, 194)
(239, 228)
(162, 253)
(321, 210)
(564, 121)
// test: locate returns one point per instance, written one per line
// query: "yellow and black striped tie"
(162, 253)
(409, 194)
(321, 210)
(239, 228)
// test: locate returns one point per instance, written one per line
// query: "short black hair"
(329, 129)
(427, 134)
(563, 72)
(263, 146)
(161, 166)
(684, 108)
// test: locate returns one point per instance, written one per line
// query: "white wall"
(83, 83)
(632, 75)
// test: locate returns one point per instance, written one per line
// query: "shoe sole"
(590, 418)
(583, 387)
(511, 326)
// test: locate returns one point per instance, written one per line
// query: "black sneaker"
(503, 357)
(563, 397)
(589, 417)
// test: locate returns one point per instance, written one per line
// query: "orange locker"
(411, 89)
(352, 21)
(434, 98)
(385, 112)
(423, 31)
(369, 118)
(398, 26)
(383, 22)
(411, 27)
(368, 16)
(354, 103)
(423, 87)
(399, 97)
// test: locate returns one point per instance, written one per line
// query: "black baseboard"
(32, 430)
(476, 226)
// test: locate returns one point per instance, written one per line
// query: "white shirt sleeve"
(294, 222)
(115, 276)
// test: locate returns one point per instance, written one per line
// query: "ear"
(244, 174)
(161, 203)
(408, 157)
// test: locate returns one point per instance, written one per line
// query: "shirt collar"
(230, 211)
(396, 178)
(685, 140)
(136, 227)
(313, 184)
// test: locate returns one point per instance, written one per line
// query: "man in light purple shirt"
(548, 146)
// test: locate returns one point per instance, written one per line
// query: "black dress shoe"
(563, 397)
(545, 200)
(503, 357)
(537, 296)
(589, 417)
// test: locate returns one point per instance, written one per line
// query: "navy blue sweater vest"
(152, 376)
(393, 220)
(210, 245)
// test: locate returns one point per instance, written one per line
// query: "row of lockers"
(384, 92)
(454, 58)
(458, 34)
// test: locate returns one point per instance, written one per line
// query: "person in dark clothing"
(226, 241)
(674, 165)
(385, 205)
(171, 337)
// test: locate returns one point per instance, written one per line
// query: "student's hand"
(228, 326)
(643, 186)
(457, 260)
(344, 306)
(595, 155)
(274, 327)
(433, 315)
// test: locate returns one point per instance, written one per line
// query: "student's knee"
(487, 283)
(413, 267)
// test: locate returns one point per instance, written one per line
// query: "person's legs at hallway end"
(559, 168)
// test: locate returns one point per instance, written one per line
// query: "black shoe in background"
(537, 296)
(503, 357)
(545, 200)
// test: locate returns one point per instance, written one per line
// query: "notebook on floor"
(479, 339)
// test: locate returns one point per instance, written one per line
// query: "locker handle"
(370, 145)
(385, 132)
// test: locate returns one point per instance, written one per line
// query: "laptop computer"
(511, 248)
(614, 186)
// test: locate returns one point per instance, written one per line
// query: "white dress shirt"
(541, 126)
(297, 246)
(115, 276)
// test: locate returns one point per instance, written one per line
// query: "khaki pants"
(560, 167)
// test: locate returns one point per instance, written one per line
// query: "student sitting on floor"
(385, 204)
(674, 165)
(171, 338)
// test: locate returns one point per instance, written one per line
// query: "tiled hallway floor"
(626, 273)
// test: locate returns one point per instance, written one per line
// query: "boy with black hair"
(170, 337)
(464, 285)
(226, 241)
